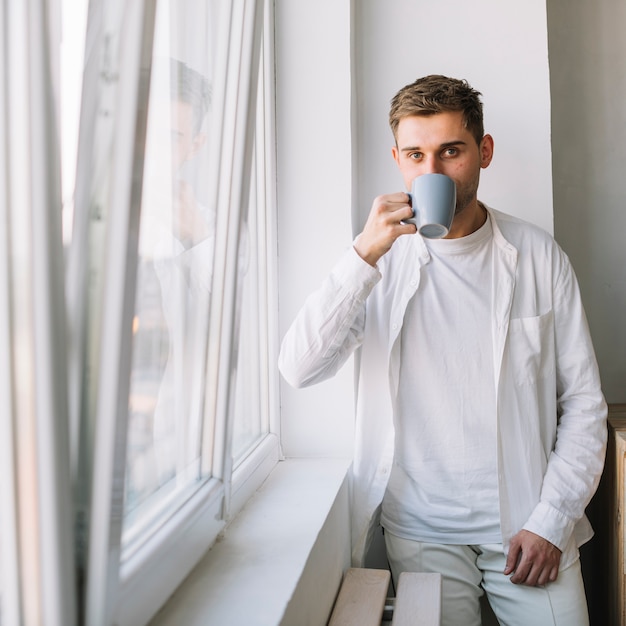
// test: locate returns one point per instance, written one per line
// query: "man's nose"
(432, 165)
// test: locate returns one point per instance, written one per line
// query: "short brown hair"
(435, 94)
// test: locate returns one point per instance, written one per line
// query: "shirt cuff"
(551, 524)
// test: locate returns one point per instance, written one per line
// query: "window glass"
(175, 262)
(251, 403)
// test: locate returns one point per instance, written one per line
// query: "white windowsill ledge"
(281, 559)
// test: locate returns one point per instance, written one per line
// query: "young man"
(480, 419)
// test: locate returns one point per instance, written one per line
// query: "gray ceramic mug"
(433, 198)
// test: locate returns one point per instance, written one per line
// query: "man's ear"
(486, 151)
(396, 154)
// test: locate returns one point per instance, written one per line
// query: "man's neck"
(468, 221)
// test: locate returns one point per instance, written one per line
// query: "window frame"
(129, 587)
(73, 418)
(37, 559)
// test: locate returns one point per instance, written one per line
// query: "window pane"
(250, 398)
(176, 244)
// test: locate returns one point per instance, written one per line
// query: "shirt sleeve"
(329, 327)
(577, 459)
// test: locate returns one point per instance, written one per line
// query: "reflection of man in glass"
(174, 279)
(190, 98)
(184, 270)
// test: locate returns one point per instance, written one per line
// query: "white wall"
(501, 49)
(325, 170)
(588, 73)
(314, 169)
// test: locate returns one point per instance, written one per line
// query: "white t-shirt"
(443, 486)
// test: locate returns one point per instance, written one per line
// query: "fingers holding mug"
(385, 223)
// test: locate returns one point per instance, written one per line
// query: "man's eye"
(450, 152)
(415, 156)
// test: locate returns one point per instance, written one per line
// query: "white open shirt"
(550, 409)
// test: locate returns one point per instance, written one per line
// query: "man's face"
(441, 144)
(185, 143)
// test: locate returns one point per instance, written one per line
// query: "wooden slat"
(615, 469)
(361, 599)
(418, 600)
(620, 527)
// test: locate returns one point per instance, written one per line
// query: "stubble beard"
(466, 194)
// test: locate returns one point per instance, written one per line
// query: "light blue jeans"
(469, 571)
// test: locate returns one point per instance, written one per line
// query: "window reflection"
(174, 280)
(175, 262)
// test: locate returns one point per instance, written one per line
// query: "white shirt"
(443, 485)
(551, 415)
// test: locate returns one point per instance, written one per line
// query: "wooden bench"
(363, 601)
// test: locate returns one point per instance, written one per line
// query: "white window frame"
(126, 587)
(36, 550)
(247, 475)
(64, 425)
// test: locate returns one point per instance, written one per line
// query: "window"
(167, 374)
(176, 246)
(36, 552)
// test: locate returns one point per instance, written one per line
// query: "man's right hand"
(384, 225)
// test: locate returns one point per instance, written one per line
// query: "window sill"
(281, 559)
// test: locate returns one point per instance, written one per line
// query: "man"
(474, 353)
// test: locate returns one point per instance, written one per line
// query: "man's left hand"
(532, 560)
